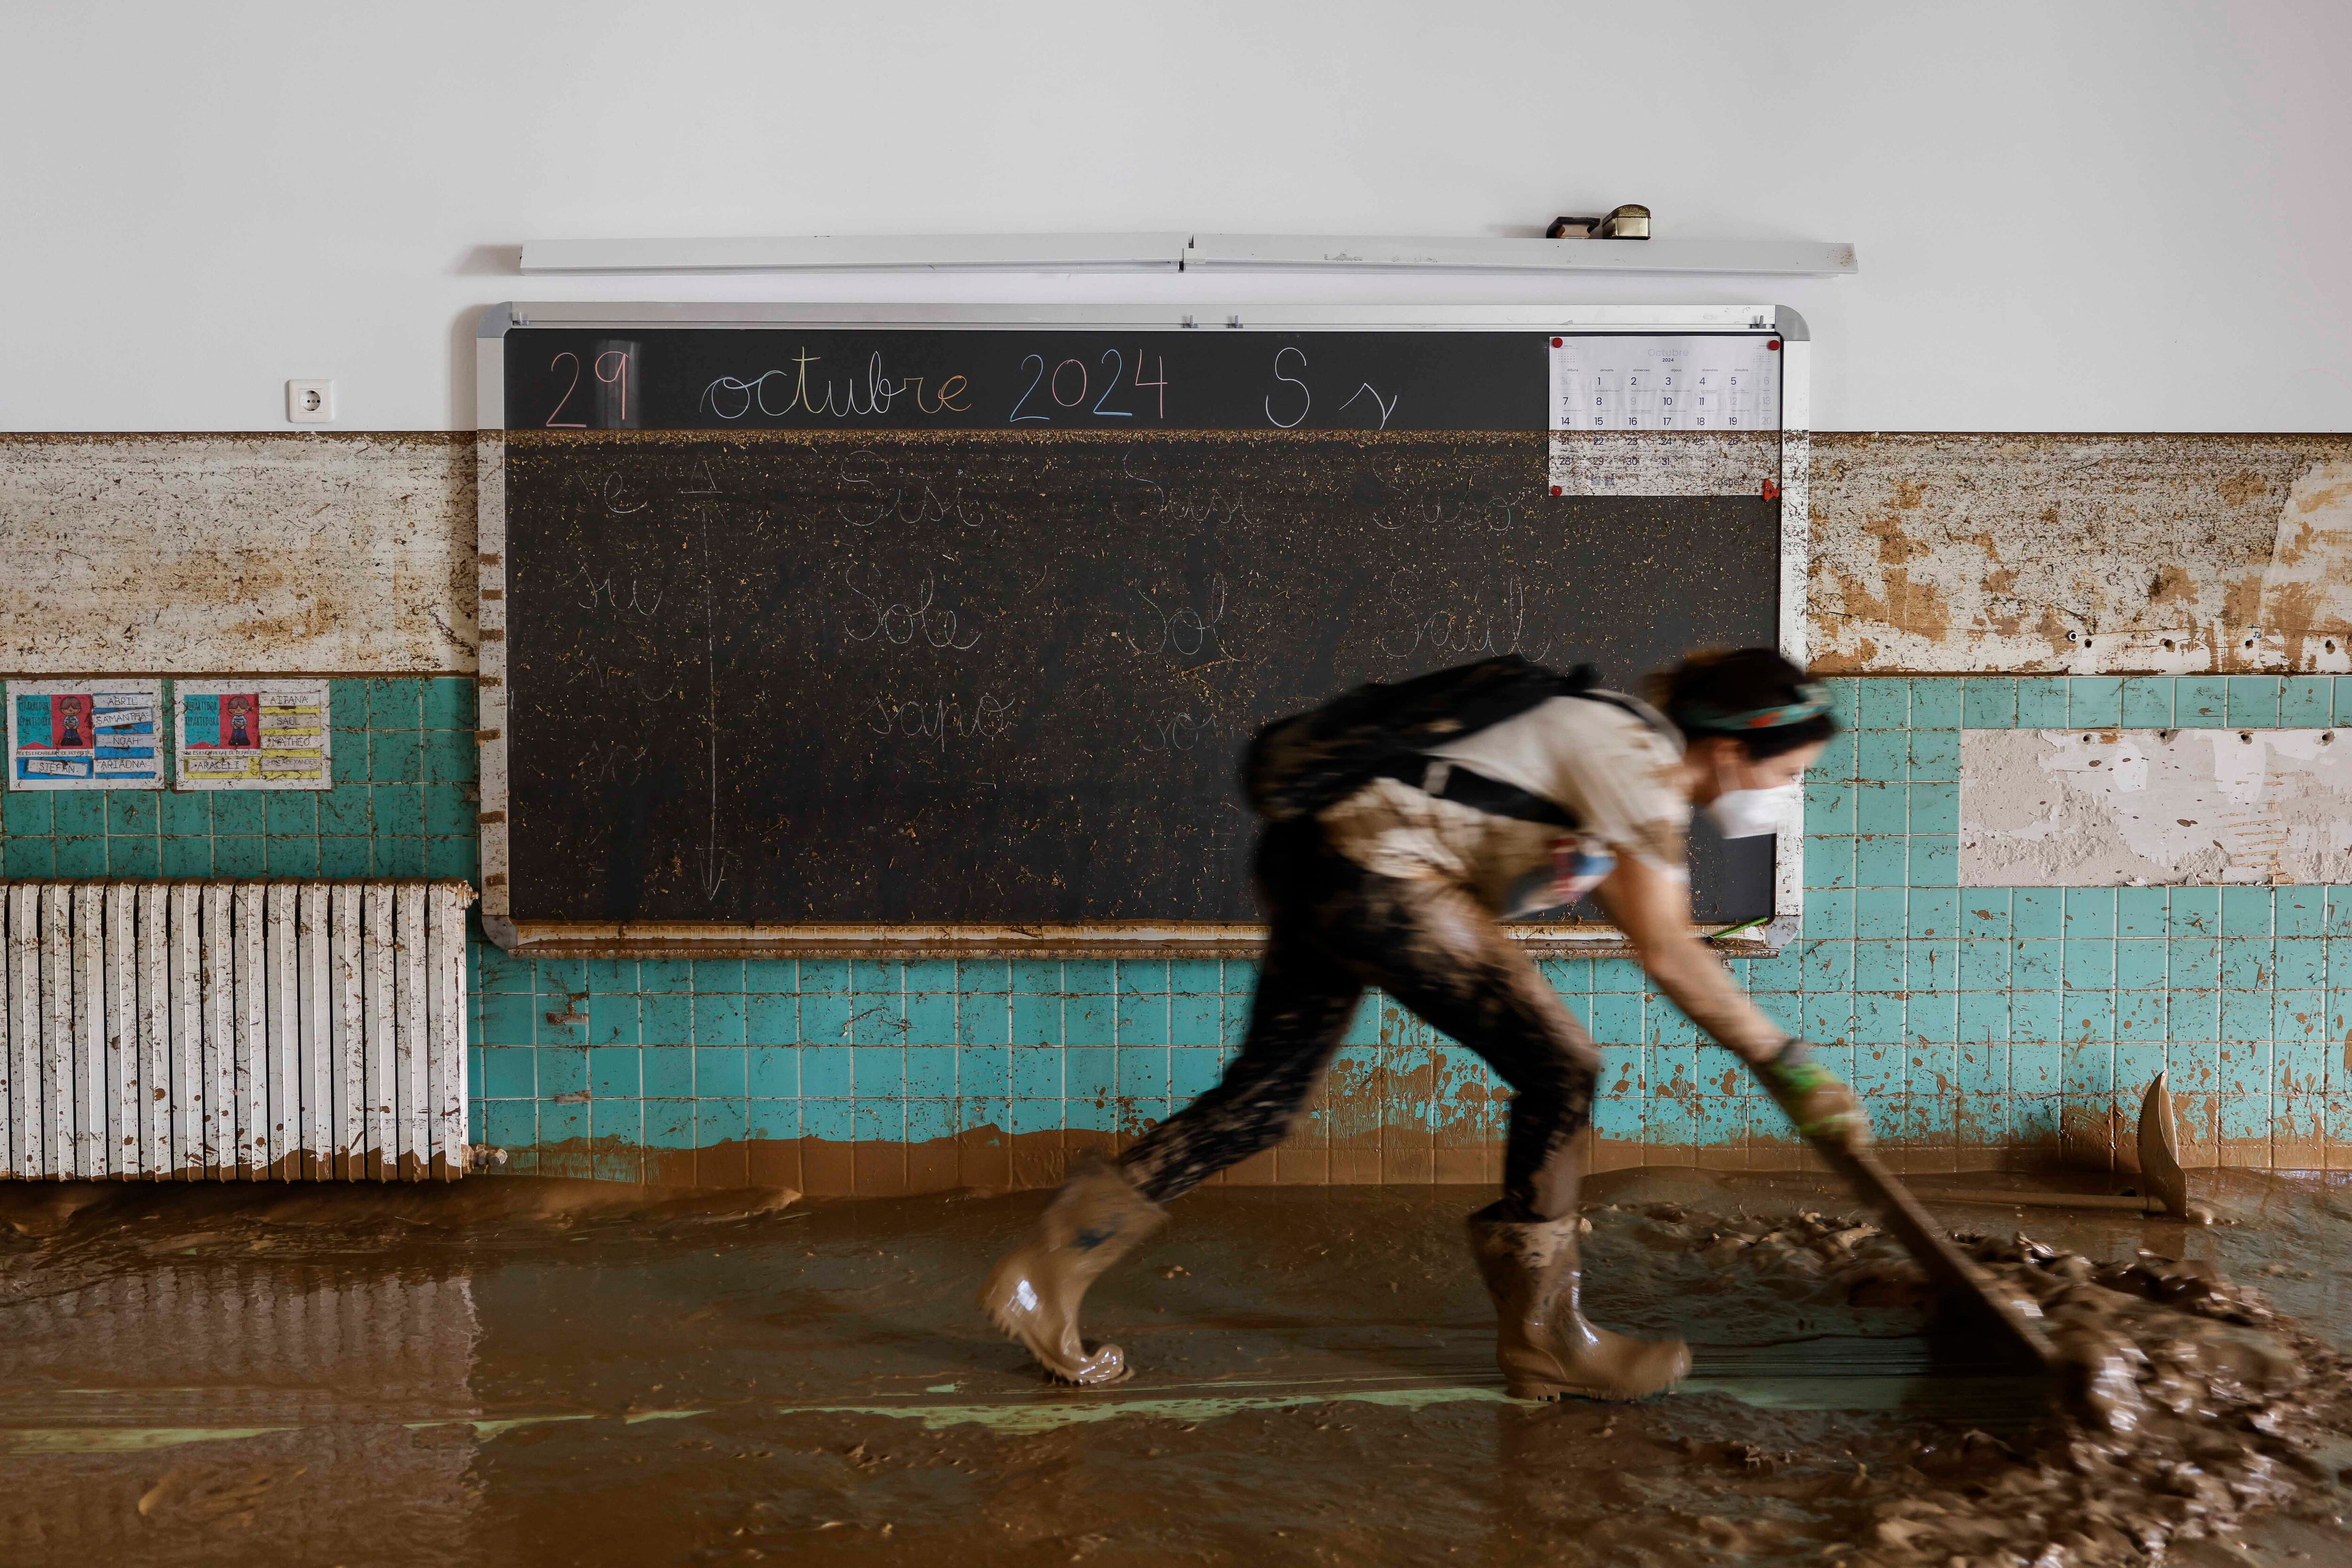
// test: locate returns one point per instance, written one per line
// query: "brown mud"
(521, 1371)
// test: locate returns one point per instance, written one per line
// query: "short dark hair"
(1752, 696)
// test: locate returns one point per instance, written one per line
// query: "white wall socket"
(310, 402)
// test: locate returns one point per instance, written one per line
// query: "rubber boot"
(1096, 1218)
(1545, 1347)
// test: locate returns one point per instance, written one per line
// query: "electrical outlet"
(310, 402)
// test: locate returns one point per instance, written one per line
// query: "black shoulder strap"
(1641, 710)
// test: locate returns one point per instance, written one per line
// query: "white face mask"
(1749, 813)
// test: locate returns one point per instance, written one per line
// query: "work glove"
(1815, 1099)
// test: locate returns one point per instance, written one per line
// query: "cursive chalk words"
(1176, 732)
(776, 393)
(903, 622)
(938, 720)
(1183, 631)
(1493, 622)
(1291, 395)
(640, 599)
(886, 495)
(1155, 502)
(606, 761)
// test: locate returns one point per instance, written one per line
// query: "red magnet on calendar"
(1771, 490)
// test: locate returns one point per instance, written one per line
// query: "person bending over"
(1400, 884)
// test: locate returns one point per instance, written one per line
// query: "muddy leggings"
(1335, 928)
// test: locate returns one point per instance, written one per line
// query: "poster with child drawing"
(94, 733)
(252, 735)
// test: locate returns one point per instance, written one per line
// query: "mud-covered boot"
(1545, 1346)
(1096, 1218)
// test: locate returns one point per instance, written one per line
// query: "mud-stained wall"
(2084, 554)
(2015, 1021)
(2016, 554)
(189, 554)
(2141, 807)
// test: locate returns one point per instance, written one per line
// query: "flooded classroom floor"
(515, 1371)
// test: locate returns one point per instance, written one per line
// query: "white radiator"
(235, 1030)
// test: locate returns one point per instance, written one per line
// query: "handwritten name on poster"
(94, 733)
(253, 735)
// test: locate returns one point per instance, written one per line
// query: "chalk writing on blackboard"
(950, 667)
(731, 398)
(1178, 629)
(1306, 399)
(1492, 620)
(1065, 386)
(911, 496)
(940, 719)
(1386, 405)
(908, 620)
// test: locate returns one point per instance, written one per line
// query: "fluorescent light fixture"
(1175, 252)
(865, 253)
(1381, 253)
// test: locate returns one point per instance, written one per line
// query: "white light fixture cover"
(1178, 252)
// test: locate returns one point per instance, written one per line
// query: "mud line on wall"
(2083, 554)
(1931, 553)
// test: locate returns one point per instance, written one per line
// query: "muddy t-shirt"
(1609, 768)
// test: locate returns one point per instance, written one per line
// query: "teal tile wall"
(1980, 1017)
(1971, 1019)
(403, 805)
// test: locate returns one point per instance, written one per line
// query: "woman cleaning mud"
(1404, 823)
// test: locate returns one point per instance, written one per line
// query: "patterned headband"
(1812, 701)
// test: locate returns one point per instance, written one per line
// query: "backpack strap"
(1448, 780)
(1657, 721)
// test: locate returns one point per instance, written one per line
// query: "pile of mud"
(2200, 1402)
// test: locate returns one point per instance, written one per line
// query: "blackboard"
(857, 629)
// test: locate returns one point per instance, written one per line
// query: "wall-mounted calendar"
(1658, 414)
(1642, 381)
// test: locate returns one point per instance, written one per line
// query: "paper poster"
(94, 733)
(1640, 414)
(252, 735)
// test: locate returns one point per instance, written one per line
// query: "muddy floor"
(514, 1370)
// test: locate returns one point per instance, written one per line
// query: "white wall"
(2106, 216)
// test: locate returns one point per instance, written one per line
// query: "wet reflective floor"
(518, 1370)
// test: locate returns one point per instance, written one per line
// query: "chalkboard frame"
(1101, 940)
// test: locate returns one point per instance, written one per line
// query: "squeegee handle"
(1926, 1241)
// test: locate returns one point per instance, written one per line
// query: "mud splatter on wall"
(2084, 555)
(1931, 554)
(2005, 1022)
(248, 554)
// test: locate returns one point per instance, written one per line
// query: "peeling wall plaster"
(2153, 554)
(244, 554)
(2097, 809)
(2307, 587)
